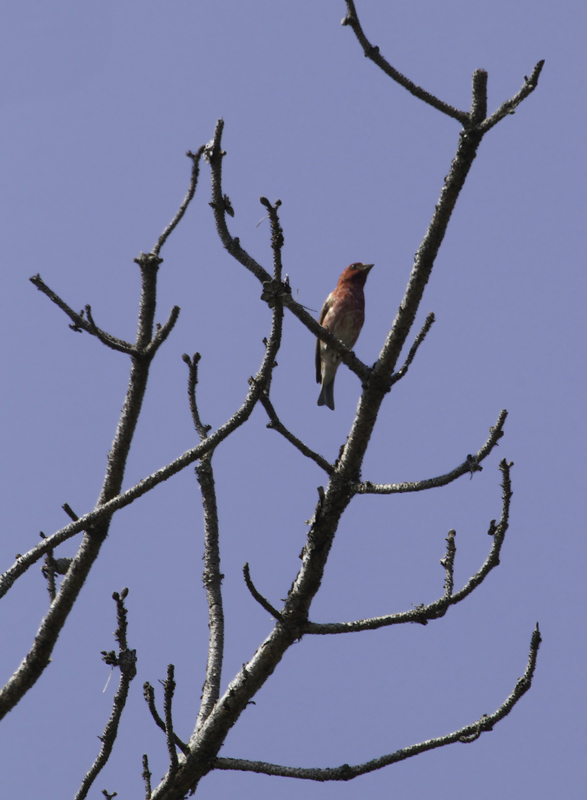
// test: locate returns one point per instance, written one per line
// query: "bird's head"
(356, 273)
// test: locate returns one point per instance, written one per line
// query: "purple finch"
(343, 315)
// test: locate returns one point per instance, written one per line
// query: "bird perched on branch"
(343, 315)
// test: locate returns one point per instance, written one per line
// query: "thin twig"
(214, 154)
(479, 98)
(277, 239)
(167, 708)
(195, 157)
(430, 319)
(273, 290)
(510, 105)
(258, 596)
(448, 562)
(126, 661)
(212, 577)
(212, 580)
(149, 695)
(276, 425)
(110, 341)
(49, 570)
(346, 772)
(80, 323)
(162, 332)
(192, 363)
(70, 512)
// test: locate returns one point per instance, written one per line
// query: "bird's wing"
(325, 309)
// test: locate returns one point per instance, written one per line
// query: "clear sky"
(100, 102)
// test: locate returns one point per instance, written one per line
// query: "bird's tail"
(327, 395)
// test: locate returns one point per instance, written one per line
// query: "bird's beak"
(366, 268)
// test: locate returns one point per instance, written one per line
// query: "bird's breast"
(345, 316)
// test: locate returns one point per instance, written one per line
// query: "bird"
(343, 314)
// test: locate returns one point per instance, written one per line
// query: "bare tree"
(191, 760)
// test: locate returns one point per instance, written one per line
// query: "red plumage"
(343, 315)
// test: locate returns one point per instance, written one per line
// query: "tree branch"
(437, 609)
(258, 596)
(167, 708)
(80, 323)
(149, 695)
(39, 656)
(346, 772)
(162, 332)
(212, 577)
(510, 105)
(221, 203)
(373, 53)
(124, 499)
(192, 364)
(430, 319)
(110, 341)
(448, 562)
(126, 661)
(49, 570)
(276, 425)
(470, 465)
(195, 157)
(277, 240)
(273, 290)
(146, 775)
(479, 98)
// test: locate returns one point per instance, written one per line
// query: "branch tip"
(69, 511)
(146, 776)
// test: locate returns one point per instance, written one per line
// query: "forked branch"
(96, 529)
(423, 613)
(149, 695)
(478, 113)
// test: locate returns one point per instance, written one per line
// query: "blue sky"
(100, 102)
